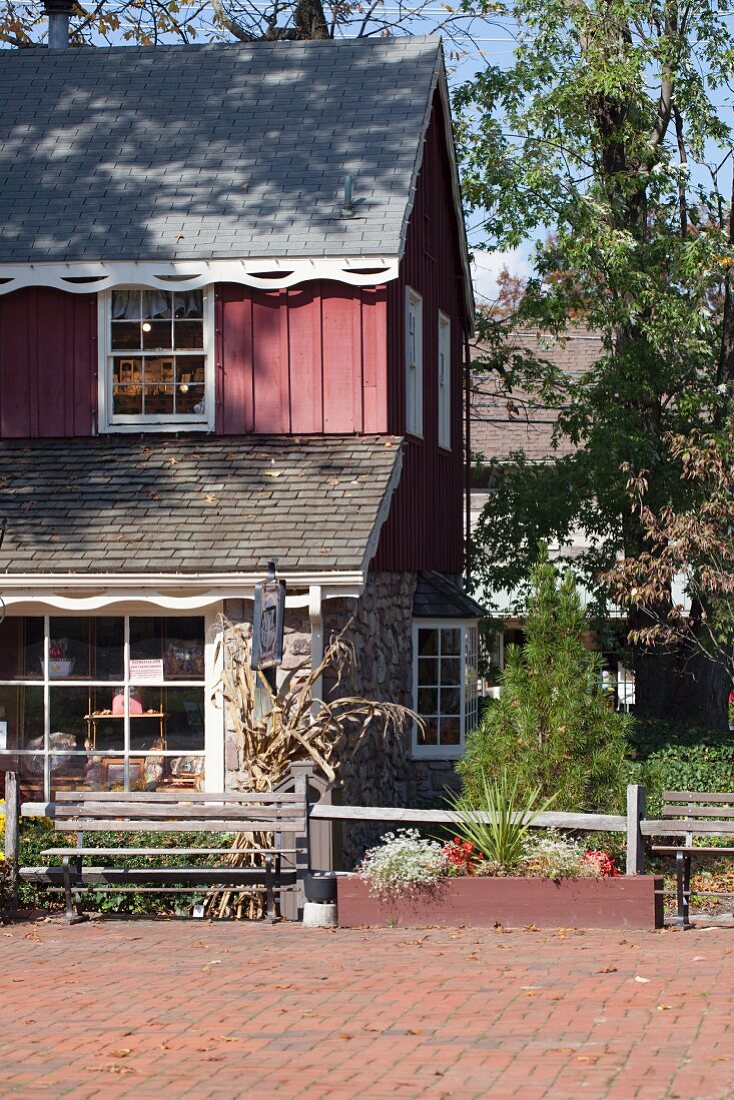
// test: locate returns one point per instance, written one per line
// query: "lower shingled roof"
(194, 503)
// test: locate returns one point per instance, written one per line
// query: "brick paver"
(190, 1009)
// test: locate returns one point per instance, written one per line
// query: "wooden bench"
(693, 815)
(167, 812)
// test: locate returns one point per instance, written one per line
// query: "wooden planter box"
(625, 902)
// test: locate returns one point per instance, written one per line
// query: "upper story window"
(413, 363)
(444, 382)
(158, 366)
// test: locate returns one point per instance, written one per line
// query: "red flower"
(603, 862)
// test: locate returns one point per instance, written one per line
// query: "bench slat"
(179, 825)
(201, 876)
(177, 794)
(670, 849)
(169, 810)
(697, 796)
(696, 828)
(165, 851)
(694, 811)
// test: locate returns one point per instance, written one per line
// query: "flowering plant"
(603, 862)
(462, 856)
(57, 648)
(403, 862)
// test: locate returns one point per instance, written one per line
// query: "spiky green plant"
(501, 832)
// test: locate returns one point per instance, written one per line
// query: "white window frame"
(443, 371)
(469, 696)
(413, 363)
(107, 422)
(213, 749)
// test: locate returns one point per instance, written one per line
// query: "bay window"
(104, 703)
(444, 686)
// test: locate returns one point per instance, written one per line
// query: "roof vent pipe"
(58, 12)
(348, 204)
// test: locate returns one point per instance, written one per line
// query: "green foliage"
(677, 758)
(600, 143)
(503, 839)
(36, 834)
(551, 727)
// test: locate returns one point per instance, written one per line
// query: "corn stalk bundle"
(275, 729)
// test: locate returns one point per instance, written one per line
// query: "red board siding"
(307, 360)
(48, 363)
(424, 529)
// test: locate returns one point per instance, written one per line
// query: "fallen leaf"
(699, 958)
(663, 1008)
(273, 473)
(123, 1052)
(344, 1035)
(642, 981)
(607, 970)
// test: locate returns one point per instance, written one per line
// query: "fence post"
(635, 842)
(12, 833)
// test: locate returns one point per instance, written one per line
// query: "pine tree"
(551, 726)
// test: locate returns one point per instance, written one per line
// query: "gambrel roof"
(222, 151)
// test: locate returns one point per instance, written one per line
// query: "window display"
(103, 703)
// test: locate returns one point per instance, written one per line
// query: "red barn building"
(234, 297)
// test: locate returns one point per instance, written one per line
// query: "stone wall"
(380, 772)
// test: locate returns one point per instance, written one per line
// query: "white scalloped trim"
(265, 274)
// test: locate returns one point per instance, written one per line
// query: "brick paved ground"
(186, 1009)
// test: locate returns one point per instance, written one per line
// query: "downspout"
(467, 459)
(316, 619)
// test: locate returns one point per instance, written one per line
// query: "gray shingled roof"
(215, 151)
(437, 597)
(187, 504)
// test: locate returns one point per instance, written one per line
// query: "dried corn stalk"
(275, 730)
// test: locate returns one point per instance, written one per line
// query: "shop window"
(103, 703)
(444, 686)
(158, 369)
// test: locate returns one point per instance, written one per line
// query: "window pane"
(450, 670)
(125, 304)
(190, 369)
(427, 641)
(189, 334)
(428, 671)
(69, 707)
(450, 731)
(178, 641)
(21, 649)
(22, 709)
(156, 304)
(159, 371)
(126, 372)
(451, 642)
(183, 658)
(127, 401)
(188, 303)
(85, 648)
(184, 709)
(158, 401)
(450, 701)
(125, 336)
(190, 400)
(156, 334)
(428, 701)
(429, 734)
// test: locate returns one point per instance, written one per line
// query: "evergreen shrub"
(552, 727)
